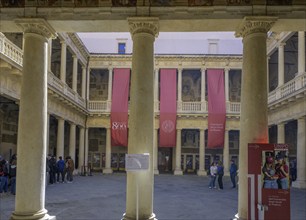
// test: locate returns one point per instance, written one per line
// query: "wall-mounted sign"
(137, 162)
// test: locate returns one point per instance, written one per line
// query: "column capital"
(110, 68)
(251, 25)
(36, 26)
(149, 25)
(74, 56)
(281, 44)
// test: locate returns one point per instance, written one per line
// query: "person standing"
(220, 174)
(233, 173)
(70, 169)
(213, 175)
(3, 176)
(60, 169)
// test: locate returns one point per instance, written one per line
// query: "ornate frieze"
(252, 25)
(37, 26)
(144, 25)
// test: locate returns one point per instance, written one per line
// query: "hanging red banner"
(216, 108)
(167, 120)
(119, 110)
(268, 181)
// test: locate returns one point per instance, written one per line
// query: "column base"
(300, 184)
(202, 173)
(125, 217)
(156, 172)
(226, 174)
(237, 217)
(178, 172)
(107, 171)
(41, 215)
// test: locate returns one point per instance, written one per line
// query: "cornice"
(37, 26)
(149, 25)
(251, 25)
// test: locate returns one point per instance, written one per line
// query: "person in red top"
(282, 171)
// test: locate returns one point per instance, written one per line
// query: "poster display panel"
(268, 182)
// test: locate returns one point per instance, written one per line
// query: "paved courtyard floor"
(102, 197)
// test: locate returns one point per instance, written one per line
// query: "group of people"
(8, 175)
(59, 170)
(275, 173)
(217, 173)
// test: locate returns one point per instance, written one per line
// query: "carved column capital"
(36, 26)
(252, 25)
(144, 25)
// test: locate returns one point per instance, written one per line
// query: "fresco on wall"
(191, 85)
(234, 85)
(190, 138)
(291, 58)
(98, 88)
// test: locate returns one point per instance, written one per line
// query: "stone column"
(32, 124)
(203, 70)
(155, 152)
(254, 113)
(201, 171)
(49, 54)
(226, 155)
(86, 147)
(141, 120)
(87, 84)
(156, 92)
(110, 84)
(60, 138)
(301, 52)
(75, 73)
(301, 154)
(226, 82)
(63, 61)
(81, 150)
(108, 152)
(281, 64)
(178, 150)
(281, 133)
(179, 89)
(72, 141)
(83, 82)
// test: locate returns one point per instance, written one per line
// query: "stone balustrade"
(10, 51)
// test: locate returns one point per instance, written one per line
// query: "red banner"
(119, 111)
(167, 120)
(216, 108)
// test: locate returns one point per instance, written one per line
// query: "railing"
(188, 107)
(290, 88)
(98, 106)
(63, 88)
(10, 50)
(233, 107)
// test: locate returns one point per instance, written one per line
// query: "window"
(121, 48)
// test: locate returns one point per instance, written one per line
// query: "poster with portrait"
(268, 181)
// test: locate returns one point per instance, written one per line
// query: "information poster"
(268, 182)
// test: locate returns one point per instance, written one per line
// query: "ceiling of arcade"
(173, 15)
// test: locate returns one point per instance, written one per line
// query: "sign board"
(268, 182)
(137, 162)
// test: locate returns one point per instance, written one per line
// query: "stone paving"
(102, 197)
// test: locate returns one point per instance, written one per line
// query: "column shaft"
(110, 84)
(63, 61)
(226, 153)
(141, 119)
(75, 73)
(108, 152)
(83, 82)
(226, 76)
(179, 86)
(178, 169)
(48, 134)
(60, 138)
(32, 123)
(281, 64)
(254, 117)
(281, 133)
(49, 54)
(81, 151)
(155, 152)
(86, 147)
(301, 52)
(201, 171)
(72, 141)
